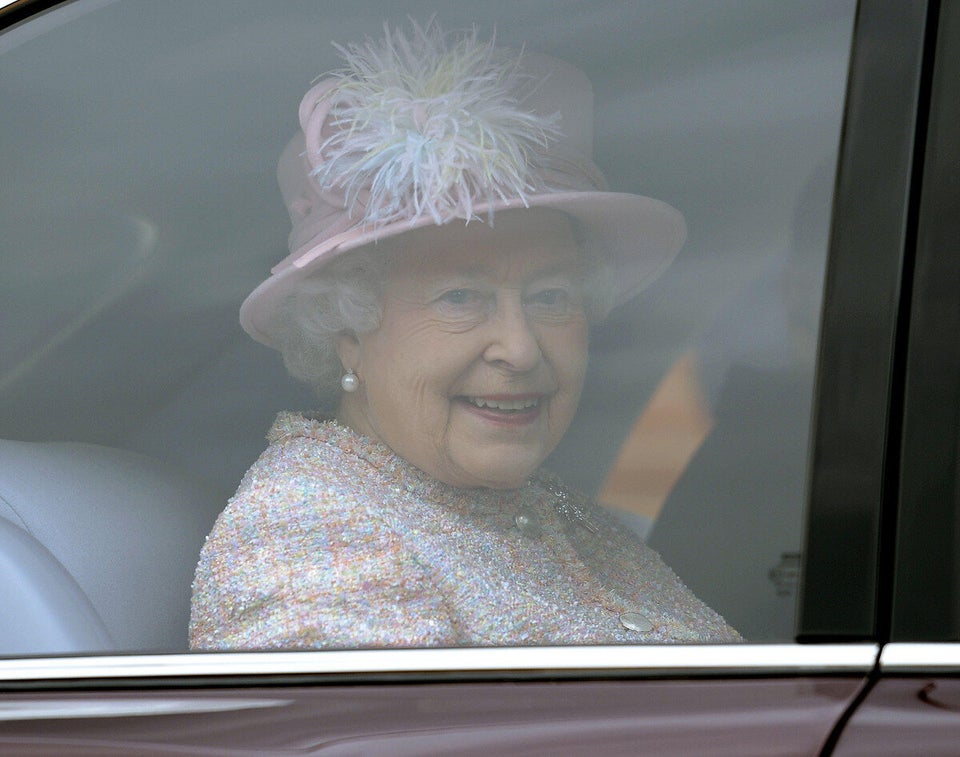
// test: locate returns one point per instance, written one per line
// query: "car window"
(140, 208)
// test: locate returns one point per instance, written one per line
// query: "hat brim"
(640, 236)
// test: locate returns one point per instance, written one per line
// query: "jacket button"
(634, 621)
(528, 524)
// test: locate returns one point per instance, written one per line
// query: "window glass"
(140, 208)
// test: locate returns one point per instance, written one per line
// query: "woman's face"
(476, 369)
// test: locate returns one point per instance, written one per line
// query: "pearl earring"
(349, 381)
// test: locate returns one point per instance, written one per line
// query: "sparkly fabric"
(332, 541)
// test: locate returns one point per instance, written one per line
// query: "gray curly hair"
(346, 296)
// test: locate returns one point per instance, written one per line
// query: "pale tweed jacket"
(332, 541)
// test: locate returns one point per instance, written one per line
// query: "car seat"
(97, 549)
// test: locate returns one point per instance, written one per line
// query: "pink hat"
(424, 131)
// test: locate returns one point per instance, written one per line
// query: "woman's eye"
(552, 299)
(460, 297)
(462, 303)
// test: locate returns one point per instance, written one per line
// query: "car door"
(750, 513)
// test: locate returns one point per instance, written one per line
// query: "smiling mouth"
(504, 405)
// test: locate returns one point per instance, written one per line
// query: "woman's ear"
(348, 350)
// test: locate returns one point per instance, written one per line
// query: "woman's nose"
(513, 344)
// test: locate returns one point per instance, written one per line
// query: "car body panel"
(912, 715)
(914, 708)
(742, 717)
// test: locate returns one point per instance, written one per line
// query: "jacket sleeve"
(286, 570)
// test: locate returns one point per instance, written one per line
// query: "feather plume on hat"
(430, 124)
(423, 127)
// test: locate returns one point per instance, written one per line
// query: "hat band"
(329, 216)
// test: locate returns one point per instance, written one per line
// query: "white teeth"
(504, 404)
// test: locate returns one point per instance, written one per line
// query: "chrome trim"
(651, 661)
(105, 707)
(919, 658)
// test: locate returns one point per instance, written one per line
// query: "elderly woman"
(452, 244)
